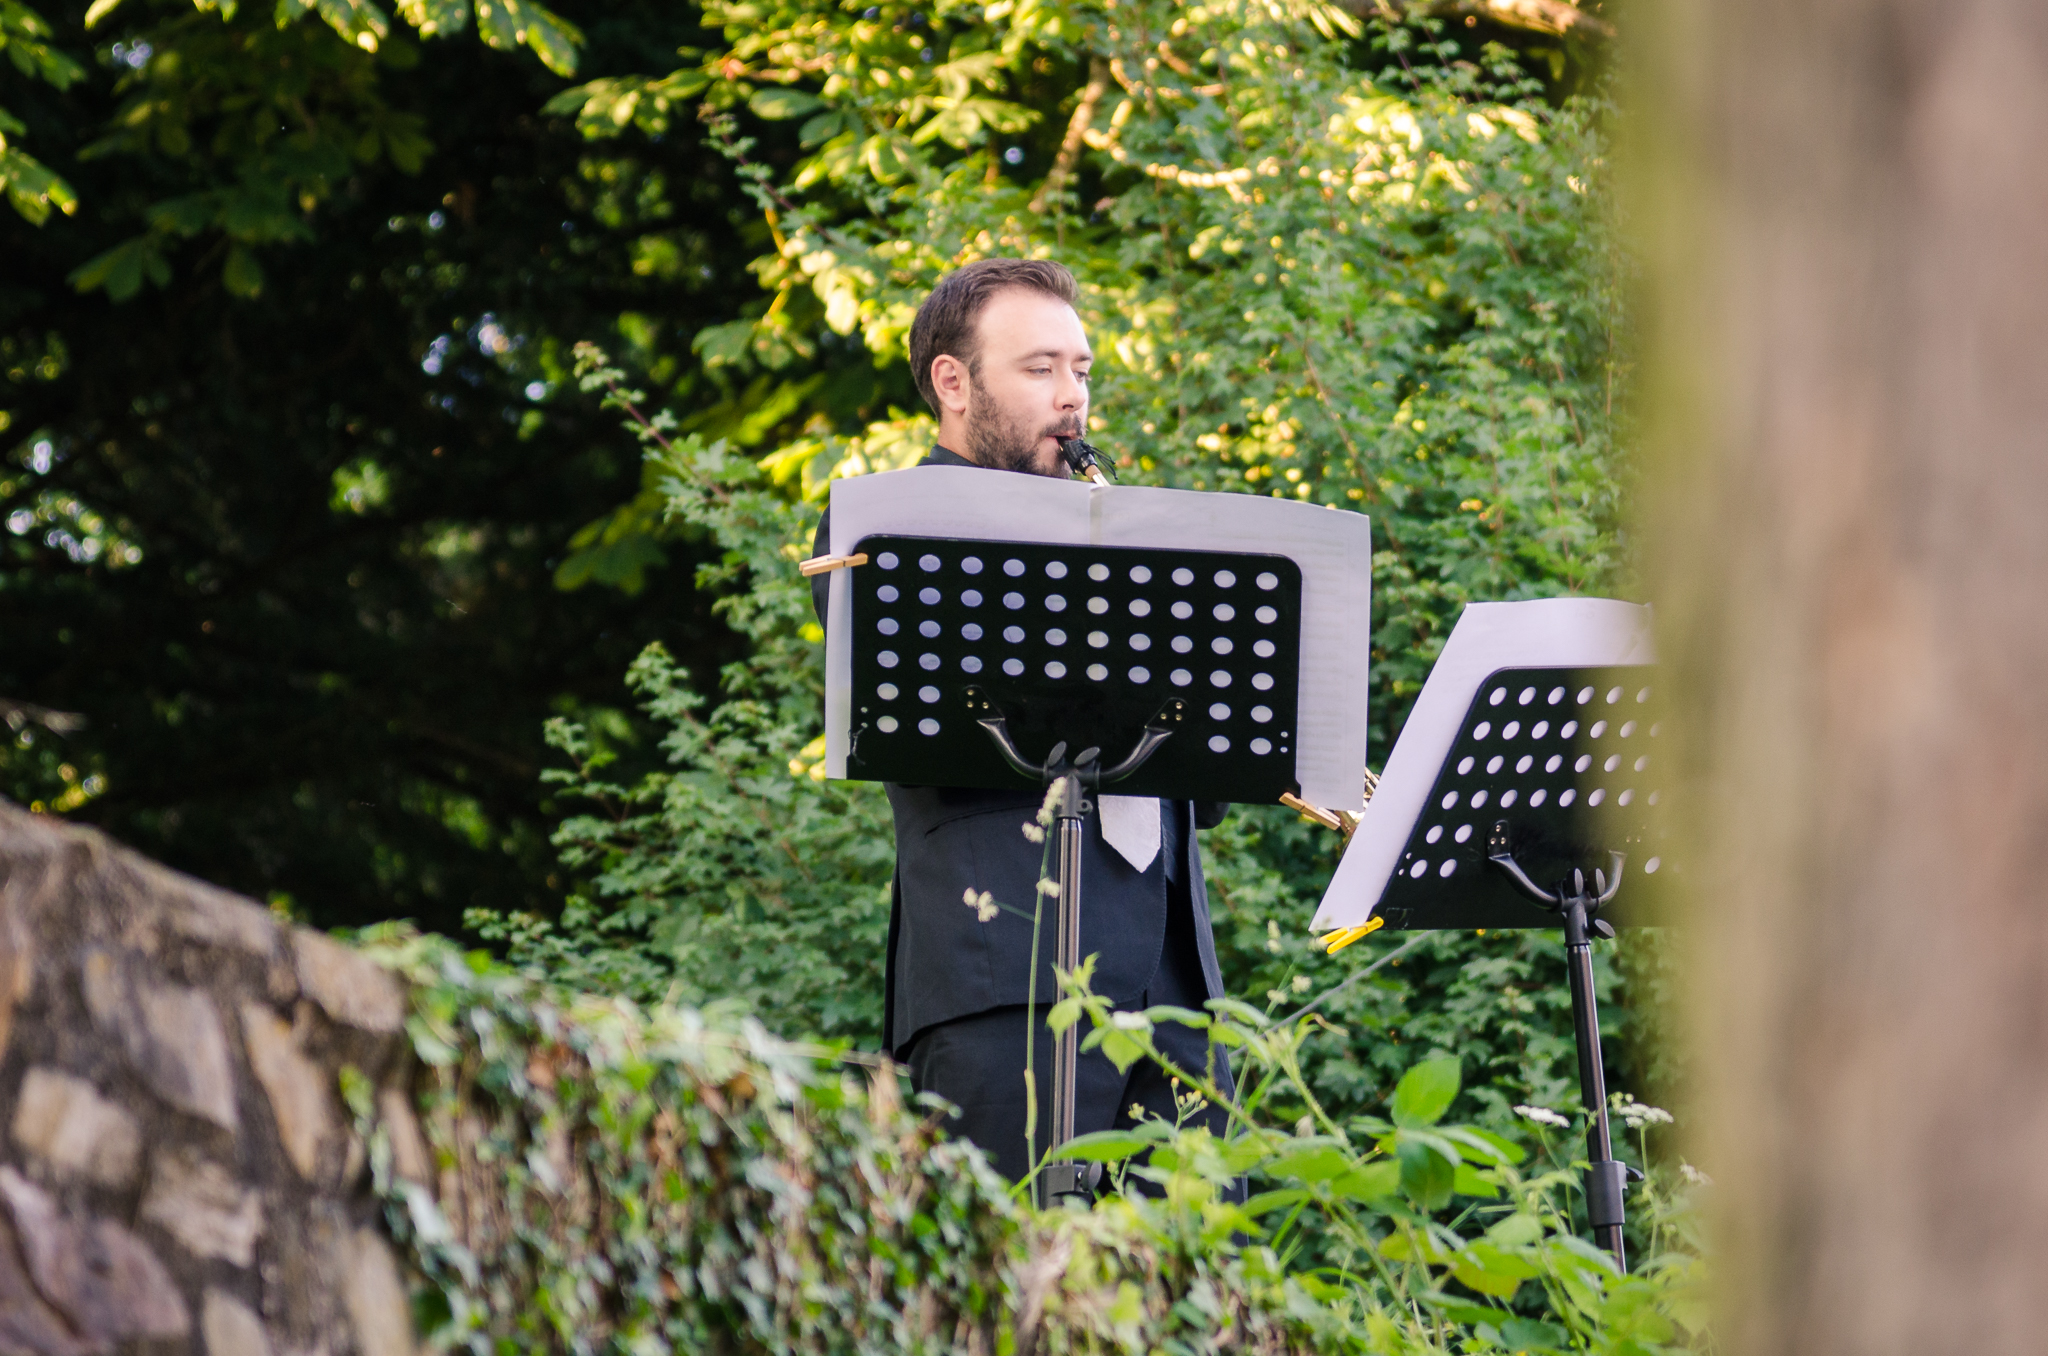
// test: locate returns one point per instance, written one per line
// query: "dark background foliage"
(326, 674)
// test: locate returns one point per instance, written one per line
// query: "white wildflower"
(1543, 1115)
(1302, 983)
(1694, 1175)
(983, 904)
(1636, 1114)
(1130, 1021)
(1049, 887)
(1033, 832)
(1273, 943)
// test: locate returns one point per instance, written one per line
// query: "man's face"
(1030, 385)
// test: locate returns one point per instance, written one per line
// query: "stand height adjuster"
(1606, 1185)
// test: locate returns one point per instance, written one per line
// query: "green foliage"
(1386, 289)
(664, 1181)
(1379, 286)
(291, 556)
(786, 874)
(608, 1178)
(30, 186)
(272, 112)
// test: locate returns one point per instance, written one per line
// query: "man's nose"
(1072, 393)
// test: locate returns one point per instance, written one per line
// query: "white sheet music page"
(1332, 547)
(1540, 633)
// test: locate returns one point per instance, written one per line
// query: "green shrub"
(612, 1178)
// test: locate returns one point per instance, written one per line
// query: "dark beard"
(1008, 444)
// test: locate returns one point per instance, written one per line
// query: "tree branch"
(1555, 17)
(1077, 126)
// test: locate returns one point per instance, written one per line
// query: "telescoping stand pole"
(1067, 1179)
(1606, 1178)
(1062, 1180)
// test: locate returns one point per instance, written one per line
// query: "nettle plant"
(1412, 1233)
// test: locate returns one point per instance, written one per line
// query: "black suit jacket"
(944, 962)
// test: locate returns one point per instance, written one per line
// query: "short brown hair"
(947, 320)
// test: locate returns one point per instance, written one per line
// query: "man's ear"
(949, 383)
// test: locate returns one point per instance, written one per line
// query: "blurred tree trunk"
(1844, 212)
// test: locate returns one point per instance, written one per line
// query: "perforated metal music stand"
(1005, 664)
(972, 659)
(1010, 631)
(1528, 791)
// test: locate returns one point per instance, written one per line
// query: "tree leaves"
(507, 23)
(778, 104)
(121, 269)
(288, 106)
(31, 187)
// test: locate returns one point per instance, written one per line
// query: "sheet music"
(1540, 633)
(1332, 547)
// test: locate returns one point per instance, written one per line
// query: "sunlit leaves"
(777, 104)
(505, 24)
(435, 18)
(32, 189)
(606, 106)
(26, 39)
(1381, 293)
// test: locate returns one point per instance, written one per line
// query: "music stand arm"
(999, 732)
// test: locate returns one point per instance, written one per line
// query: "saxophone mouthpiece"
(1086, 459)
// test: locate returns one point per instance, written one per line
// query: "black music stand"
(1552, 788)
(983, 663)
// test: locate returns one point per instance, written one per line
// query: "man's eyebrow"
(1054, 353)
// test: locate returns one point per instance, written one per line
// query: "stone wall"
(177, 1170)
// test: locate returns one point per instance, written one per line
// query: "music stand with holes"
(1157, 641)
(1531, 772)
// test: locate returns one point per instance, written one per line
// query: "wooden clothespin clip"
(1343, 821)
(826, 564)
